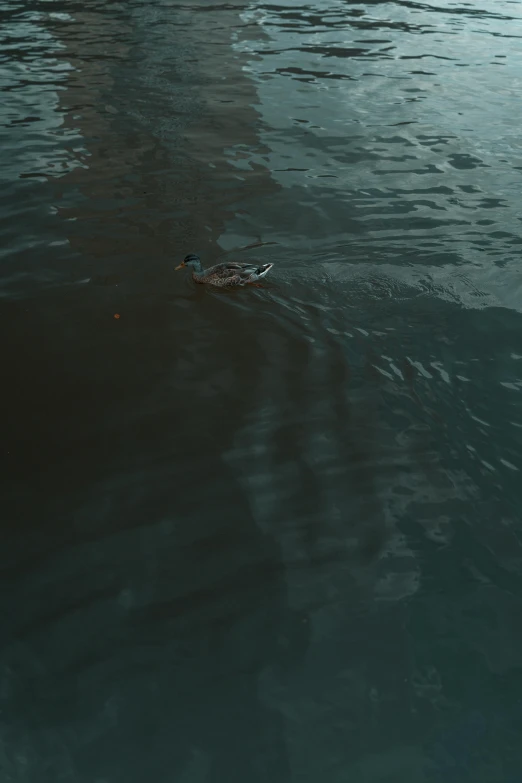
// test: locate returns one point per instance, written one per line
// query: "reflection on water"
(266, 535)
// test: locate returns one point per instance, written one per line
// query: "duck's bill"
(179, 266)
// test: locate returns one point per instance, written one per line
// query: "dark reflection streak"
(204, 8)
(120, 397)
(332, 51)
(43, 623)
(335, 51)
(314, 74)
(472, 12)
(319, 511)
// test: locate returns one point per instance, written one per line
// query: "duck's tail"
(263, 270)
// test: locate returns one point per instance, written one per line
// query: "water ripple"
(280, 525)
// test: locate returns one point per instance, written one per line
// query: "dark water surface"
(271, 535)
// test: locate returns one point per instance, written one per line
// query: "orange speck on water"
(116, 315)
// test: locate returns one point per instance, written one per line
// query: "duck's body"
(227, 275)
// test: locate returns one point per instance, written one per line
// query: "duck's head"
(191, 260)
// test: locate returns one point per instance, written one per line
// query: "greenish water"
(267, 535)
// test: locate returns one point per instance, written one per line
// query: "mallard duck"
(228, 274)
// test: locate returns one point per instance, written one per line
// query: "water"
(268, 535)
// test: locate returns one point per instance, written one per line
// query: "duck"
(227, 275)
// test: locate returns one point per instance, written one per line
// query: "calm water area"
(268, 535)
